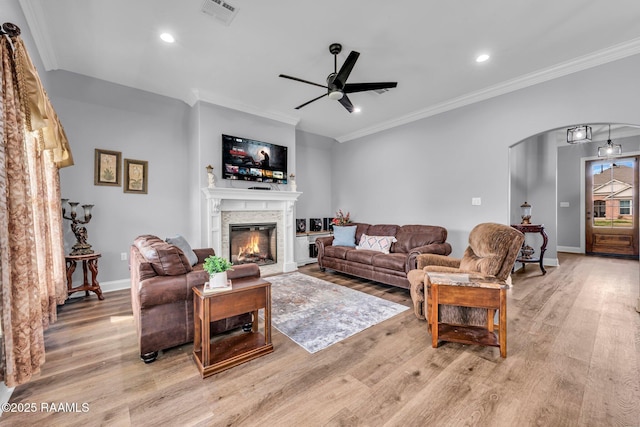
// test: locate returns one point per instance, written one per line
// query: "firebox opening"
(253, 243)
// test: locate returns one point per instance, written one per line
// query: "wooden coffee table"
(467, 290)
(246, 296)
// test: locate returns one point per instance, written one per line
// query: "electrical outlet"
(123, 256)
(476, 201)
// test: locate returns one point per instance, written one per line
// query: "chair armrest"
(434, 248)
(425, 260)
(203, 253)
(244, 270)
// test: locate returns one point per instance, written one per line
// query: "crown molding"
(36, 19)
(200, 95)
(575, 65)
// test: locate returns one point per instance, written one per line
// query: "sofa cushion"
(339, 252)
(413, 236)
(165, 258)
(185, 247)
(361, 257)
(393, 261)
(344, 236)
(376, 243)
(382, 230)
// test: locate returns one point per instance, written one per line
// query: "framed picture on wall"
(107, 167)
(135, 176)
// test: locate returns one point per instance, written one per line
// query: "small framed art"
(135, 176)
(107, 167)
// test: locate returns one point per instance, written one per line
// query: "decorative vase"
(218, 280)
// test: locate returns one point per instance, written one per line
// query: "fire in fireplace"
(253, 243)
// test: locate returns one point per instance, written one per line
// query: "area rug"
(316, 314)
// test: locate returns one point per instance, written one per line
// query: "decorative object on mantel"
(292, 182)
(579, 134)
(526, 213)
(341, 218)
(211, 176)
(81, 247)
(217, 268)
(610, 149)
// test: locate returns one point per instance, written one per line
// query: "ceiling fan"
(337, 86)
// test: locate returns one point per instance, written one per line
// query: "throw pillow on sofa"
(376, 243)
(344, 236)
(184, 246)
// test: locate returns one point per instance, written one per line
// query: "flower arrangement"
(341, 218)
(215, 264)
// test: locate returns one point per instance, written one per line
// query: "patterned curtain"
(32, 268)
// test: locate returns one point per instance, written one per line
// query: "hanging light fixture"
(579, 134)
(610, 149)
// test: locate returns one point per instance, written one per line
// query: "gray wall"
(314, 175)
(142, 126)
(428, 171)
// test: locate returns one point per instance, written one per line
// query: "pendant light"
(610, 149)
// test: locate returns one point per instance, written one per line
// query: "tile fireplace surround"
(227, 206)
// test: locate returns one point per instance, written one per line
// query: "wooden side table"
(246, 295)
(533, 228)
(89, 263)
(466, 290)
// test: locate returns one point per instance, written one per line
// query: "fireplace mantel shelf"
(246, 194)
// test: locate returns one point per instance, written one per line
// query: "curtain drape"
(32, 267)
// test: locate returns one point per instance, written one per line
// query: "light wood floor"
(573, 360)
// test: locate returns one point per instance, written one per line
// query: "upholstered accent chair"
(492, 251)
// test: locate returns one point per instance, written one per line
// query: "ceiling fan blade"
(303, 81)
(361, 87)
(346, 103)
(309, 102)
(346, 68)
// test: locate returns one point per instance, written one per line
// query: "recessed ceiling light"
(482, 58)
(166, 37)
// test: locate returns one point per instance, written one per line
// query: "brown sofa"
(161, 295)
(391, 268)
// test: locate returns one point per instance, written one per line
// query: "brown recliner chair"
(492, 251)
(161, 295)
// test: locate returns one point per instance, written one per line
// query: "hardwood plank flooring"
(573, 360)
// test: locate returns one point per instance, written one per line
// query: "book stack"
(206, 290)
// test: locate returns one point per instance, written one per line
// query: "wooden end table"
(474, 291)
(246, 295)
(533, 228)
(89, 263)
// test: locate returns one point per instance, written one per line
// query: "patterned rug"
(316, 314)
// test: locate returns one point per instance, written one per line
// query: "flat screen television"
(246, 159)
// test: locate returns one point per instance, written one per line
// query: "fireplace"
(255, 243)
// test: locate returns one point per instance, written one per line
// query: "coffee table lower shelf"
(467, 335)
(231, 352)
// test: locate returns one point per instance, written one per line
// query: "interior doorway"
(611, 207)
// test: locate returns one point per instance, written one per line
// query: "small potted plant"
(217, 268)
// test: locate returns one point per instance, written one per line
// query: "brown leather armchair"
(492, 251)
(161, 295)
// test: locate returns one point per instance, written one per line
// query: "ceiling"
(428, 47)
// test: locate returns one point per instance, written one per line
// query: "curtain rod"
(10, 29)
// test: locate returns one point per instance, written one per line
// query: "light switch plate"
(564, 204)
(476, 201)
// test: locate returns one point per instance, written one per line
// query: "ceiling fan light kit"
(337, 86)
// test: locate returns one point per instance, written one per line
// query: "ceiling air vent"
(220, 9)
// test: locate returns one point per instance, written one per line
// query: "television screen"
(250, 160)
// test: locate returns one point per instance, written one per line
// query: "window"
(625, 207)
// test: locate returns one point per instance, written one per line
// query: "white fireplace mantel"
(230, 200)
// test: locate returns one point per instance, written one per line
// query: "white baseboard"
(570, 249)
